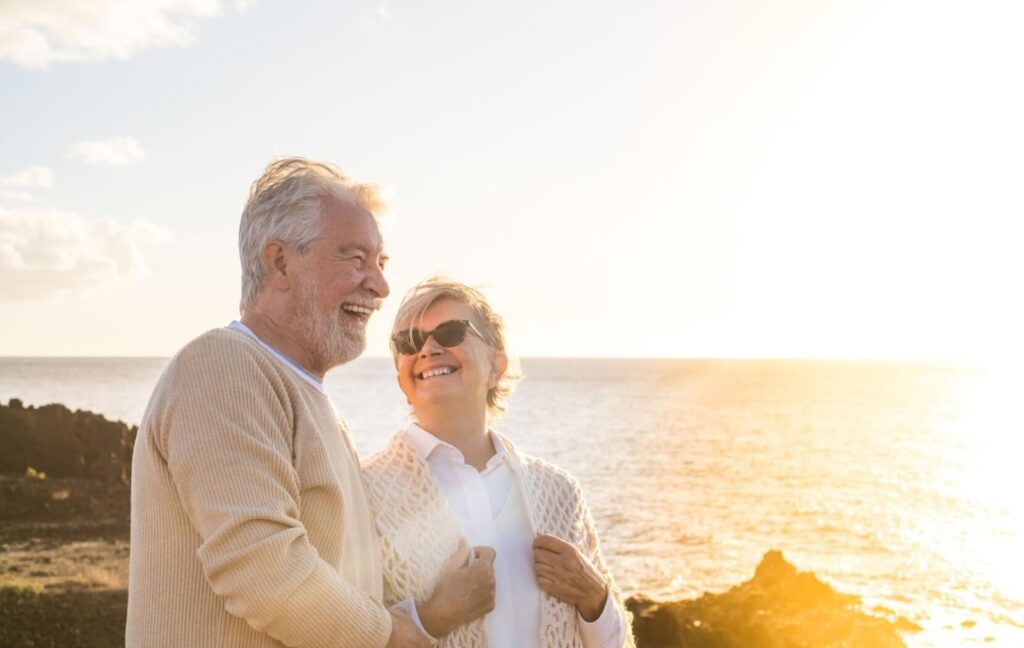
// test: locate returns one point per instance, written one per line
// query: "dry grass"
(63, 563)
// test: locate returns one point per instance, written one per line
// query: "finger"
(554, 559)
(482, 573)
(545, 571)
(459, 558)
(549, 555)
(552, 543)
(549, 561)
(484, 553)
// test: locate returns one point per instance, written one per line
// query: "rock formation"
(62, 443)
(778, 608)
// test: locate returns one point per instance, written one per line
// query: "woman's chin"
(444, 402)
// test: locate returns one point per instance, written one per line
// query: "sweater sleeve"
(591, 547)
(226, 435)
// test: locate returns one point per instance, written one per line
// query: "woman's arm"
(614, 629)
(577, 575)
(565, 573)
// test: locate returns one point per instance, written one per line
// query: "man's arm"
(226, 443)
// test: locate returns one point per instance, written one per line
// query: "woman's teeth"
(439, 371)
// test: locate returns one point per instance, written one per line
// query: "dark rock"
(652, 621)
(778, 607)
(61, 443)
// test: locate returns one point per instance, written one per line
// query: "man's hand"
(405, 633)
(563, 572)
(464, 591)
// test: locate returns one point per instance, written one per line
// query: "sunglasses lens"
(406, 342)
(450, 333)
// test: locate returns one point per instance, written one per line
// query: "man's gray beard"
(326, 336)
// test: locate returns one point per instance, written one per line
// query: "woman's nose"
(430, 347)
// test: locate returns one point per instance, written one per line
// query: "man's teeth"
(440, 371)
(358, 310)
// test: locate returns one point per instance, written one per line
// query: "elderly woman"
(449, 480)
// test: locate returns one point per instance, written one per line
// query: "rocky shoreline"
(778, 607)
(64, 516)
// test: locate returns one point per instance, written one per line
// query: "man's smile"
(358, 311)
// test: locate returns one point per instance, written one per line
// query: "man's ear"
(499, 364)
(275, 264)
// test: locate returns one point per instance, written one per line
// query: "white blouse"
(491, 512)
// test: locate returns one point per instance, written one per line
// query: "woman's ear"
(499, 364)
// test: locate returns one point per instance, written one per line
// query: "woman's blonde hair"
(421, 297)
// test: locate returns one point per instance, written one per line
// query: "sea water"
(898, 482)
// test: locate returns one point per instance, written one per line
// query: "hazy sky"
(676, 178)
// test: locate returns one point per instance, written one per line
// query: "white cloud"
(44, 252)
(18, 196)
(116, 151)
(37, 33)
(34, 176)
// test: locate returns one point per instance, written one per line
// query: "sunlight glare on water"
(990, 433)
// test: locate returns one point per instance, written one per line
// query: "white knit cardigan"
(419, 533)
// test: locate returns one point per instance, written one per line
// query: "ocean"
(898, 482)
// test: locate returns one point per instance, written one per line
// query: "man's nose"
(376, 283)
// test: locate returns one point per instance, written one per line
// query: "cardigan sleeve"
(226, 435)
(591, 547)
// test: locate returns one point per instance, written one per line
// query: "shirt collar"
(426, 444)
(423, 442)
(302, 373)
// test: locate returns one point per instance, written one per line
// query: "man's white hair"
(285, 204)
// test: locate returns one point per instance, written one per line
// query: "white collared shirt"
(491, 511)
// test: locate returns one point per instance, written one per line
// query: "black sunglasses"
(447, 334)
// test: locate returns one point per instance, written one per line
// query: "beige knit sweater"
(250, 526)
(419, 532)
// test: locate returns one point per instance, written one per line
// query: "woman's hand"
(563, 572)
(464, 591)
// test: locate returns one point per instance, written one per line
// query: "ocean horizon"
(892, 480)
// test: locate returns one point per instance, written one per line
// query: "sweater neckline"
(277, 357)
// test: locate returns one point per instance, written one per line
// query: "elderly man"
(250, 525)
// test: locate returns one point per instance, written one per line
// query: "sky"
(714, 178)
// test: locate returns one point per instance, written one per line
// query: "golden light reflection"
(990, 435)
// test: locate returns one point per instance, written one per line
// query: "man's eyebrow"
(354, 247)
(359, 247)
